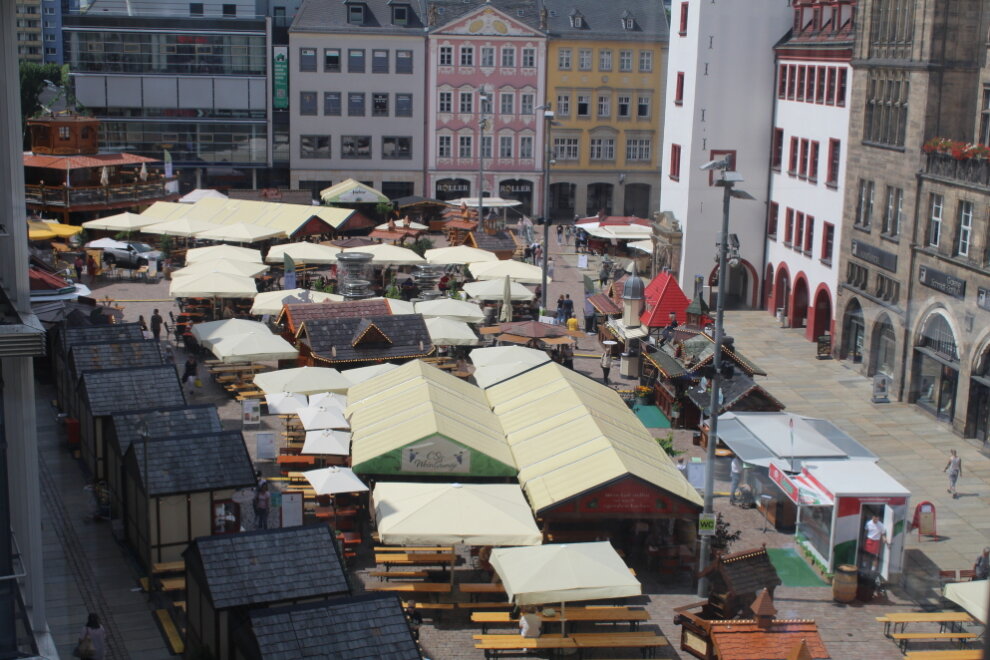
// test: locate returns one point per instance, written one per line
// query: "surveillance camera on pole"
(721, 164)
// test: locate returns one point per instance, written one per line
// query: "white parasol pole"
(790, 423)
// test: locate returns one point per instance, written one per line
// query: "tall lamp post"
(482, 98)
(547, 157)
(727, 181)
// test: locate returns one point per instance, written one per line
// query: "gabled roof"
(369, 334)
(122, 390)
(288, 218)
(194, 463)
(523, 13)
(603, 20)
(734, 391)
(42, 281)
(743, 639)
(745, 572)
(328, 16)
(331, 340)
(98, 356)
(116, 333)
(84, 162)
(269, 566)
(296, 314)
(365, 627)
(165, 422)
(662, 296)
(603, 304)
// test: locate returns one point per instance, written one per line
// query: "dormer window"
(355, 14)
(577, 20)
(628, 22)
(400, 14)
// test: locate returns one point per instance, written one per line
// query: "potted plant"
(644, 393)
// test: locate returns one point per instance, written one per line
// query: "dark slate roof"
(448, 11)
(360, 628)
(99, 356)
(195, 463)
(270, 566)
(163, 423)
(603, 20)
(321, 16)
(406, 334)
(122, 390)
(745, 572)
(296, 314)
(106, 334)
(734, 390)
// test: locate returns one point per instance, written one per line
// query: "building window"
(828, 242)
(331, 60)
(604, 105)
(526, 146)
(798, 230)
(355, 104)
(679, 89)
(446, 55)
(891, 29)
(772, 216)
(788, 226)
(464, 146)
(602, 148)
(505, 146)
(563, 105)
(792, 158)
(403, 105)
(809, 234)
(638, 149)
(195, 9)
(887, 289)
(355, 60)
(605, 59)
(379, 61)
(643, 107)
(443, 146)
(508, 56)
(885, 120)
(675, 162)
(486, 146)
(507, 103)
(682, 30)
(800, 83)
(777, 149)
(965, 228)
(645, 61)
(446, 102)
(820, 87)
(331, 104)
(564, 59)
(379, 104)
(400, 15)
(584, 105)
(314, 146)
(857, 276)
(487, 56)
(834, 154)
(935, 220)
(355, 146)
(803, 162)
(566, 148)
(985, 117)
(782, 81)
(230, 11)
(893, 211)
(791, 80)
(467, 55)
(396, 147)
(813, 161)
(624, 106)
(625, 60)
(529, 58)
(584, 59)
(864, 204)
(526, 104)
(355, 14)
(307, 59)
(307, 103)
(466, 104)
(403, 61)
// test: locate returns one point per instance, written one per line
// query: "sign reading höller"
(437, 455)
(942, 282)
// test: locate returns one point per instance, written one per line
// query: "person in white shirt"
(876, 536)
(530, 623)
(735, 470)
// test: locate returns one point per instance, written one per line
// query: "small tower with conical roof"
(632, 299)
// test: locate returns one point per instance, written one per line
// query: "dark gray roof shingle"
(407, 336)
(164, 423)
(195, 463)
(523, 11)
(270, 566)
(105, 334)
(122, 390)
(361, 628)
(321, 16)
(98, 356)
(603, 21)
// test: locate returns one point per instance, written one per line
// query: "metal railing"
(62, 196)
(974, 171)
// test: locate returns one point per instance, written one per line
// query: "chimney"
(763, 610)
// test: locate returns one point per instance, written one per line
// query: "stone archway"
(782, 290)
(883, 347)
(799, 302)
(599, 198)
(853, 332)
(821, 314)
(768, 289)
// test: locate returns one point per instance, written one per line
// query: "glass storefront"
(884, 350)
(936, 368)
(815, 526)
(189, 142)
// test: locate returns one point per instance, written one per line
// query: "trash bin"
(866, 586)
(629, 365)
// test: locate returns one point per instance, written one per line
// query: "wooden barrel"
(844, 584)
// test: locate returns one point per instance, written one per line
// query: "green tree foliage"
(33, 76)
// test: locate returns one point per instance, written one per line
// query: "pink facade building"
(487, 85)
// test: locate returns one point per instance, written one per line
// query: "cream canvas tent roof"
(417, 419)
(287, 218)
(569, 434)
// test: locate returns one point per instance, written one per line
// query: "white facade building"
(719, 100)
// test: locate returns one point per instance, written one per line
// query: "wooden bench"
(253, 394)
(163, 568)
(412, 587)
(964, 654)
(179, 605)
(382, 549)
(647, 642)
(295, 459)
(435, 610)
(632, 615)
(493, 605)
(894, 619)
(176, 644)
(415, 559)
(385, 575)
(903, 638)
(172, 584)
(498, 645)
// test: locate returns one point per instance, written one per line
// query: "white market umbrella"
(505, 311)
(271, 302)
(302, 380)
(351, 191)
(517, 271)
(388, 254)
(449, 308)
(322, 417)
(397, 305)
(642, 246)
(222, 252)
(971, 596)
(495, 290)
(333, 480)
(179, 227)
(255, 346)
(328, 400)
(448, 514)
(201, 193)
(106, 244)
(399, 224)
(459, 254)
(240, 232)
(445, 332)
(214, 331)
(327, 442)
(307, 253)
(361, 374)
(243, 268)
(120, 222)
(494, 355)
(487, 202)
(213, 285)
(285, 403)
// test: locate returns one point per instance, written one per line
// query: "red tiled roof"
(744, 640)
(84, 162)
(41, 280)
(615, 220)
(460, 224)
(663, 296)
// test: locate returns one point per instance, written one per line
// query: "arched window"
(937, 336)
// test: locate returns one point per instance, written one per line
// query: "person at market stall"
(530, 623)
(78, 264)
(92, 267)
(606, 363)
(262, 504)
(876, 536)
(981, 569)
(589, 316)
(572, 324)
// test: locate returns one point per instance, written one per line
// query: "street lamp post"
(482, 97)
(548, 153)
(728, 180)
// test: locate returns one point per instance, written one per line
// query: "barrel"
(844, 584)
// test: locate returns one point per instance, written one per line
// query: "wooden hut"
(100, 356)
(104, 393)
(292, 316)
(127, 428)
(229, 578)
(67, 336)
(367, 627)
(360, 341)
(172, 491)
(735, 580)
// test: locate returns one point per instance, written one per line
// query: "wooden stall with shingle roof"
(98, 356)
(353, 342)
(293, 316)
(735, 579)
(65, 337)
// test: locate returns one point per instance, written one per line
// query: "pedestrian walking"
(189, 375)
(735, 470)
(589, 316)
(92, 641)
(550, 265)
(78, 265)
(262, 504)
(981, 569)
(560, 310)
(604, 273)
(954, 470)
(156, 325)
(568, 307)
(606, 363)
(876, 536)
(560, 234)
(92, 267)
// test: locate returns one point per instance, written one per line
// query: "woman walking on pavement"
(954, 468)
(92, 642)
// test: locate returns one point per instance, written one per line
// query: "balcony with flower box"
(957, 162)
